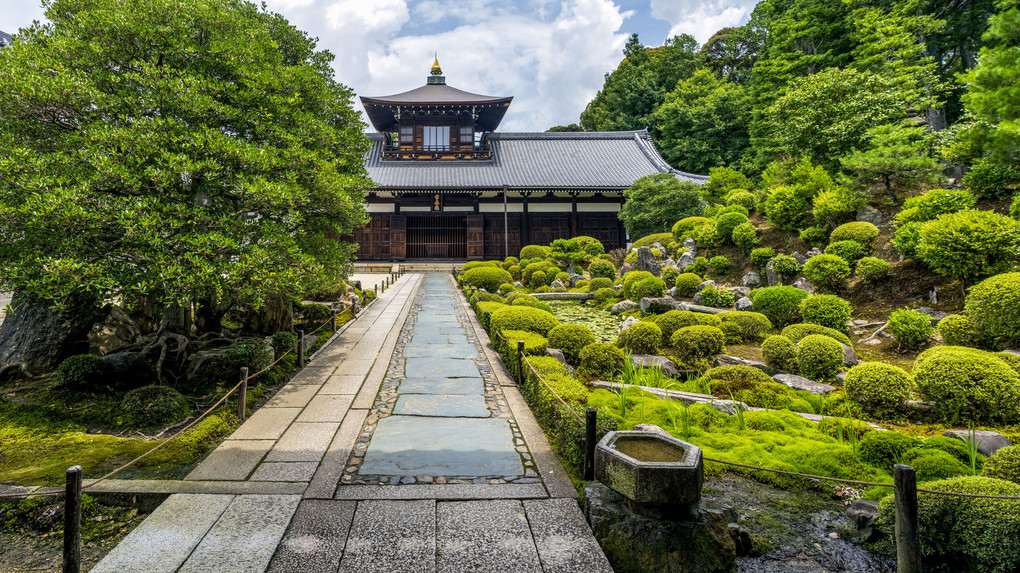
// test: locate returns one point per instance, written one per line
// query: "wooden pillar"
(622, 231)
(525, 223)
(396, 205)
(573, 216)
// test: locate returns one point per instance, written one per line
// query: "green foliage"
(534, 252)
(506, 288)
(84, 372)
(780, 353)
(725, 224)
(532, 268)
(835, 207)
(992, 180)
(601, 361)
(897, 155)
(484, 311)
(578, 250)
(826, 310)
(601, 268)
(932, 464)
(700, 266)
(522, 318)
(669, 275)
(251, 352)
(745, 236)
(720, 265)
(849, 251)
(970, 244)
(815, 236)
(993, 307)
(534, 344)
(599, 283)
(475, 264)
(155, 404)
(571, 339)
(648, 287)
(785, 208)
(640, 338)
(1014, 208)
(827, 271)
(283, 341)
(687, 283)
(649, 240)
(684, 228)
(604, 295)
(316, 313)
(538, 279)
(882, 389)
(762, 255)
(796, 332)
(819, 357)
(912, 329)
(673, 320)
(1004, 464)
(930, 205)
(968, 385)
(872, 269)
(654, 202)
(779, 303)
(955, 330)
(717, 297)
(751, 325)
(722, 180)
(862, 232)
(219, 155)
(742, 197)
(631, 279)
(697, 342)
(883, 449)
(528, 300)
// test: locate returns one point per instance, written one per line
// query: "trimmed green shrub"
(571, 339)
(934, 464)
(717, 297)
(631, 279)
(534, 252)
(669, 275)
(316, 313)
(534, 344)
(699, 267)
(849, 251)
(510, 261)
(522, 318)
(528, 300)
(827, 310)
(604, 295)
(671, 321)
(538, 279)
(912, 329)
(815, 236)
(648, 287)
(872, 269)
(993, 306)
(785, 208)
(752, 325)
(684, 228)
(484, 311)
(515, 272)
(968, 385)
(686, 283)
(732, 209)
(762, 255)
(796, 332)
(780, 304)
(155, 404)
(732, 332)
(649, 240)
(906, 238)
(742, 197)
(698, 342)
(991, 179)
(1014, 207)
(506, 288)
(1011, 360)
(830, 208)
(1004, 464)
(956, 331)
(827, 271)
(953, 446)
(640, 338)
(862, 232)
(598, 283)
(475, 264)
(720, 265)
(780, 353)
(883, 449)
(819, 357)
(562, 277)
(255, 353)
(532, 268)
(601, 361)
(602, 268)
(881, 388)
(966, 534)
(283, 341)
(785, 266)
(487, 277)
(969, 244)
(84, 372)
(726, 222)
(934, 203)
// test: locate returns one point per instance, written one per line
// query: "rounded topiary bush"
(720, 265)
(827, 271)
(316, 313)
(819, 357)
(742, 197)
(534, 252)
(780, 352)
(883, 449)
(815, 236)
(648, 287)
(872, 269)
(861, 232)
(685, 227)
(601, 361)
(598, 283)
(671, 321)
(993, 306)
(527, 275)
(955, 330)
(826, 310)
(762, 255)
(849, 251)
(968, 385)
(155, 404)
(932, 464)
(571, 339)
(522, 318)
(686, 284)
(528, 300)
(506, 288)
(640, 338)
(882, 389)
(604, 295)
(698, 342)
(752, 325)
(785, 265)
(475, 264)
(534, 344)
(602, 268)
(562, 277)
(796, 332)
(779, 303)
(631, 279)
(1004, 464)
(725, 224)
(486, 277)
(912, 329)
(717, 297)
(84, 372)
(538, 279)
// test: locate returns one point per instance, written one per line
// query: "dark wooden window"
(406, 135)
(467, 135)
(437, 138)
(436, 237)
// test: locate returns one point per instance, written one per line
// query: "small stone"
(988, 442)
(441, 479)
(802, 383)
(814, 252)
(751, 279)
(804, 285)
(628, 322)
(653, 361)
(691, 245)
(686, 259)
(771, 276)
(704, 284)
(623, 306)
(744, 304)
(801, 259)
(740, 291)
(657, 305)
(850, 357)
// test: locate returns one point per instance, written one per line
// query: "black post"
(242, 396)
(301, 349)
(590, 419)
(908, 546)
(520, 362)
(72, 520)
(332, 321)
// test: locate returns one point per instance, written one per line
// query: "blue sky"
(551, 55)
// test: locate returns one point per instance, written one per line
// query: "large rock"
(115, 332)
(802, 383)
(40, 335)
(814, 252)
(646, 261)
(862, 515)
(634, 542)
(936, 315)
(131, 368)
(740, 291)
(801, 259)
(704, 284)
(850, 357)
(744, 304)
(869, 214)
(628, 322)
(275, 315)
(657, 305)
(623, 306)
(988, 442)
(558, 355)
(206, 368)
(750, 279)
(727, 360)
(771, 276)
(692, 246)
(558, 285)
(804, 285)
(653, 361)
(685, 260)
(574, 278)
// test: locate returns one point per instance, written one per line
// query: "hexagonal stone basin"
(647, 449)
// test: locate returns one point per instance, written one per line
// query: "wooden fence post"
(72, 520)
(242, 396)
(301, 349)
(590, 421)
(520, 362)
(908, 545)
(332, 321)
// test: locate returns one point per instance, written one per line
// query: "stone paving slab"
(245, 537)
(266, 424)
(435, 405)
(285, 471)
(490, 536)
(165, 487)
(357, 367)
(165, 539)
(232, 460)
(292, 396)
(409, 445)
(563, 537)
(343, 384)
(315, 376)
(332, 466)
(326, 408)
(445, 386)
(315, 539)
(456, 491)
(303, 442)
(425, 350)
(392, 537)
(442, 367)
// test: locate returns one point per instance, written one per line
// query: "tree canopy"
(655, 202)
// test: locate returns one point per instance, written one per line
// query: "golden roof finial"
(436, 70)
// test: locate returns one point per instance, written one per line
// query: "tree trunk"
(276, 315)
(178, 318)
(209, 312)
(40, 335)
(144, 311)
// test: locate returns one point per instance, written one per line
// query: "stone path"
(5, 299)
(402, 447)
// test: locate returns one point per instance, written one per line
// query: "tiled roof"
(571, 160)
(434, 93)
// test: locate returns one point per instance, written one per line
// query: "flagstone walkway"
(403, 446)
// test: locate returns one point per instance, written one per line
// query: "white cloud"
(702, 18)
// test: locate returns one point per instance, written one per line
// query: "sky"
(551, 55)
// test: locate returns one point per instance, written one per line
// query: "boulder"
(518, 284)
(801, 259)
(704, 284)
(131, 368)
(628, 322)
(646, 261)
(671, 293)
(355, 284)
(558, 355)
(558, 285)
(771, 276)
(41, 335)
(869, 214)
(740, 291)
(658, 245)
(701, 308)
(814, 252)
(115, 332)
(841, 377)
(653, 361)
(988, 442)
(623, 306)
(657, 305)
(574, 278)
(696, 299)
(751, 279)
(936, 315)
(685, 260)
(727, 360)
(692, 246)
(863, 514)
(626, 268)
(669, 263)
(275, 315)
(849, 356)
(744, 304)
(802, 383)
(804, 285)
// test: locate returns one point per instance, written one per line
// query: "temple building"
(451, 187)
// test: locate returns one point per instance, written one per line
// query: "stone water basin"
(650, 469)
